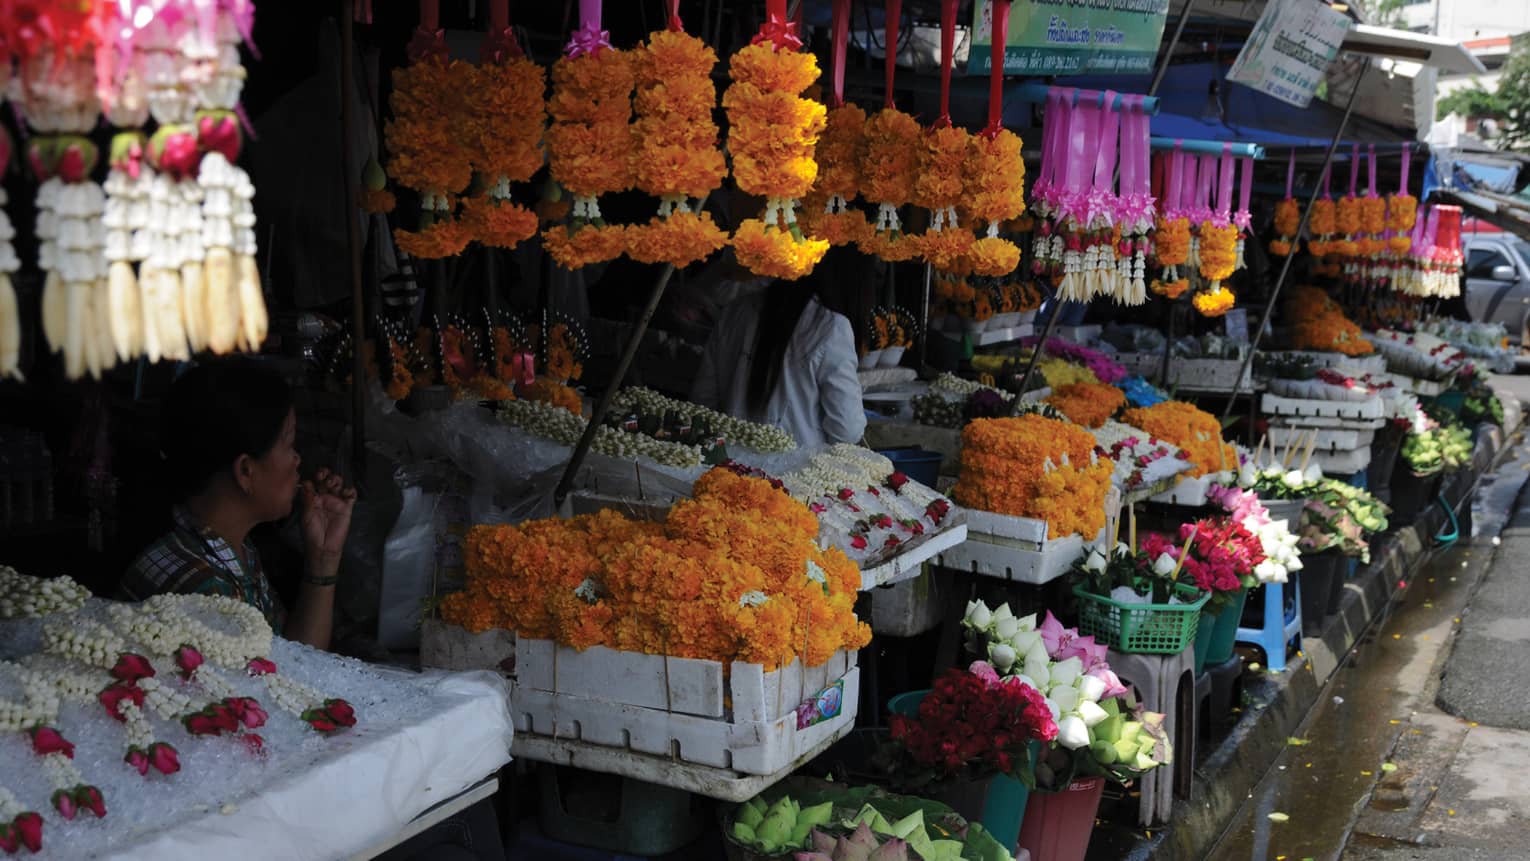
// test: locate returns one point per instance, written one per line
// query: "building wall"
(1464, 20)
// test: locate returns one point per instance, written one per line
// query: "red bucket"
(1058, 825)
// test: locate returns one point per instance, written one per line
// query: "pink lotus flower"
(1113, 686)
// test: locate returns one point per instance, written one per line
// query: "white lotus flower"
(1294, 478)
(978, 615)
(1072, 733)
(1002, 656)
(1247, 474)
(1164, 565)
(1006, 629)
(1065, 698)
(1026, 641)
(1090, 689)
(1095, 562)
(1091, 713)
(1066, 673)
(1314, 472)
(1002, 612)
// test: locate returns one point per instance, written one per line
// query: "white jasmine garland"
(760, 437)
(61, 771)
(165, 623)
(39, 701)
(10, 808)
(24, 597)
(85, 641)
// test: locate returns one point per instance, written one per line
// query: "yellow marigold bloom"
(775, 253)
(1088, 404)
(1214, 303)
(942, 153)
(573, 248)
(1402, 212)
(681, 238)
(1196, 432)
(840, 152)
(892, 157)
(768, 69)
(995, 177)
(1324, 218)
(1016, 466)
(993, 257)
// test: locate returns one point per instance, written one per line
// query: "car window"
(1524, 249)
(1480, 262)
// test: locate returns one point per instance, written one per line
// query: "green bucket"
(1004, 808)
(1217, 633)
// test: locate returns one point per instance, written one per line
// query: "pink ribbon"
(1243, 218)
(1371, 164)
(589, 38)
(1327, 176)
(674, 16)
(1354, 169)
(1102, 199)
(523, 368)
(1083, 131)
(1225, 177)
(1178, 166)
(1055, 130)
(778, 29)
(840, 38)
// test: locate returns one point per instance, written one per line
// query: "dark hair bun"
(216, 412)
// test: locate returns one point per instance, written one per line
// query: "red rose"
(253, 743)
(223, 716)
(130, 668)
(164, 758)
(846, 494)
(251, 714)
(188, 659)
(322, 723)
(897, 480)
(90, 798)
(10, 841)
(29, 829)
(892, 541)
(340, 712)
(202, 724)
(122, 692)
(858, 542)
(261, 666)
(46, 740)
(63, 802)
(137, 759)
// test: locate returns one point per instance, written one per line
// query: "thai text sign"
(1289, 50)
(1071, 37)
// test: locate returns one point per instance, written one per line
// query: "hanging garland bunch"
(674, 152)
(1322, 224)
(826, 212)
(772, 135)
(425, 152)
(1402, 212)
(891, 164)
(1288, 217)
(505, 118)
(938, 183)
(993, 177)
(589, 142)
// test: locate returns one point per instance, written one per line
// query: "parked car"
(1497, 281)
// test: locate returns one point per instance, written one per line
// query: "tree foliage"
(1508, 103)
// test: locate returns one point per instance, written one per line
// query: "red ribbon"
(996, 74)
(523, 368)
(892, 18)
(779, 30)
(840, 38)
(430, 15)
(428, 45)
(499, 44)
(947, 48)
(589, 38)
(674, 15)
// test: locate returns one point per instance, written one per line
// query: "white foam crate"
(1013, 548)
(1192, 491)
(1333, 423)
(674, 707)
(1322, 439)
(445, 646)
(1081, 335)
(1201, 374)
(1354, 366)
(906, 565)
(1420, 387)
(1339, 463)
(1310, 408)
(911, 607)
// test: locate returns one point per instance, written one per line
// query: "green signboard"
(1071, 37)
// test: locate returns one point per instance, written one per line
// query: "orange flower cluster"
(400, 381)
(1288, 218)
(682, 238)
(825, 213)
(1318, 323)
(547, 391)
(442, 238)
(993, 257)
(378, 201)
(1402, 212)
(1171, 241)
(425, 151)
(1088, 404)
(498, 222)
(588, 144)
(944, 249)
(1219, 250)
(1197, 433)
(1324, 219)
(734, 575)
(892, 157)
(576, 245)
(1170, 289)
(938, 183)
(503, 118)
(772, 250)
(995, 177)
(1032, 466)
(1214, 302)
(562, 362)
(772, 131)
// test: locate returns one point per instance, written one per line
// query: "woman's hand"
(327, 505)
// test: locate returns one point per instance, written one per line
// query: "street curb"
(1278, 704)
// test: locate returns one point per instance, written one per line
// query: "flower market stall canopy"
(201, 783)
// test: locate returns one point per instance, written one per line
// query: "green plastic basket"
(1146, 629)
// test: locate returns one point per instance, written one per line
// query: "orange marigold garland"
(425, 152)
(674, 152)
(994, 181)
(1088, 404)
(826, 212)
(1402, 213)
(887, 177)
(772, 135)
(1288, 218)
(588, 146)
(1318, 323)
(1322, 224)
(505, 117)
(1218, 251)
(1214, 302)
(1197, 433)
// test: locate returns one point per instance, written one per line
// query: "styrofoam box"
(1013, 548)
(450, 647)
(1422, 388)
(911, 607)
(906, 565)
(1336, 463)
(1192, 491)
(1081, 335)
(1326, 439)
(674, 707)
(1276, 405)
(1333, 423)
(1354, 366)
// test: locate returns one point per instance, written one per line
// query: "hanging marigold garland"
(588, 145)
(1322, 224)
(1288, 217)
(995, 185)
(772, 135)
(425, 152)
(887, 176)
(505, 119)
(826, 211)
(674, 152)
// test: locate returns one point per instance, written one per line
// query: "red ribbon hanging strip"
(428, 41)
(891, 24)
(996, 73)
(499, 43)
(778, 29)
(947, 48)
(841, 37)
(674, 15)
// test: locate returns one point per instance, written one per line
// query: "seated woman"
(227, 433)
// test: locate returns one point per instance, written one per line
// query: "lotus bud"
(1023, 679)
(1104, 752)
(1091, 713)
(1072, 733)
(1002, 656)
(978, 615)
(1065, 698)
(1006, 629)
(1294, 478)
(1027, 623)
(1090, 689)
(1026, 642)
(1095, 562)
(1065, 673)
(1164, 565)
(813, 856)
(1002, 612)
(823, 842)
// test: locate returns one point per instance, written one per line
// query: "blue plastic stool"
(1279, 629)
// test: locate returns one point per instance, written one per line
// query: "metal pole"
(1285, 267)
(924, 317)
(353, 238)
(1163, 65)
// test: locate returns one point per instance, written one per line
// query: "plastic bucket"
(1005, 803)
(1216, 635)
(1058, 824)
(917, 463)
